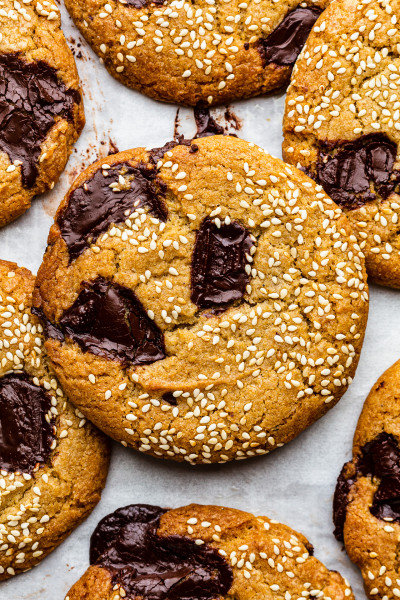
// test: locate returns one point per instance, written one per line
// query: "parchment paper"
(295, 484)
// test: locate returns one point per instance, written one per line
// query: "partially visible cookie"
(202, 553)
(342, 123)
(367, 497)
(201, 51)
(41, 109)
(202, 302)
(53, 465)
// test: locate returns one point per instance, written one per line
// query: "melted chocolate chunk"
(25, 434)
(219, 264)
(107, 319)
(50, 330)
(94, 206)
(143, 3)
(205, 123)
(170, 398)
(340, 502)
(284, 44)
(380, 459)
(31, 96)
(151, 567)
(358, 170)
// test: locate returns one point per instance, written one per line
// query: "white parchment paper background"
(294, 485)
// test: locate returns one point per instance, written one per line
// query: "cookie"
(201, 552)
(53, 465)
(202, 302)
(207, 53)
(41, 109)
(342, 126)
(367, 497)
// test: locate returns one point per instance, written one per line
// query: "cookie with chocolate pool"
(367, 497)
(342, 127)
(203, 52)
(41, 109)
(53, 464)
(202, 302)
(201, 553)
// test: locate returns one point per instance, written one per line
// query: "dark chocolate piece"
(205, 123)
(358, 170)
(151, 567)
(26, 435)
(49, 329)
(156, 154)
(94, 206)
(108, 319)
(380, 459)
(31, 97)
(285, 42)
(340, 502)
(219, 264)
(143, 3)
(170, 398)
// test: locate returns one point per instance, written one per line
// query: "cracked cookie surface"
(200, 553)
(41, 109)
(218, 315)
(53, 464)
(205, 51)
(342, 126)
(367, 497)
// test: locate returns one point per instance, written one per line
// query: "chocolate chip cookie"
(367, 497)
(342, 123)
(202, 302)
(53, 465)
(201, 552)
(199, 52)
(41, 109)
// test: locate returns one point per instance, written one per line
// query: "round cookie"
(201, 51)
(202, 552)
(203, 302)
(41, 109)
(53, 465)
(342, 125)
(367, 497)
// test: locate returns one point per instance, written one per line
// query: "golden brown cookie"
(367, 497)
(203, 302)
(201, 51)
(342, 124)
(202, 553)
(53, 465)
(41, 109)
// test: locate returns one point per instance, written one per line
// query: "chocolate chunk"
(95, 205)
(143, 3)
(379, 459)
(219, 264)
(108, 319)
(170, 398)
(358, 170)
(31, 97)
(50, 330)
(340, 501)
(26, 435)
(285, 42)
(156, 154)
(205, 123)
(151, 567)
